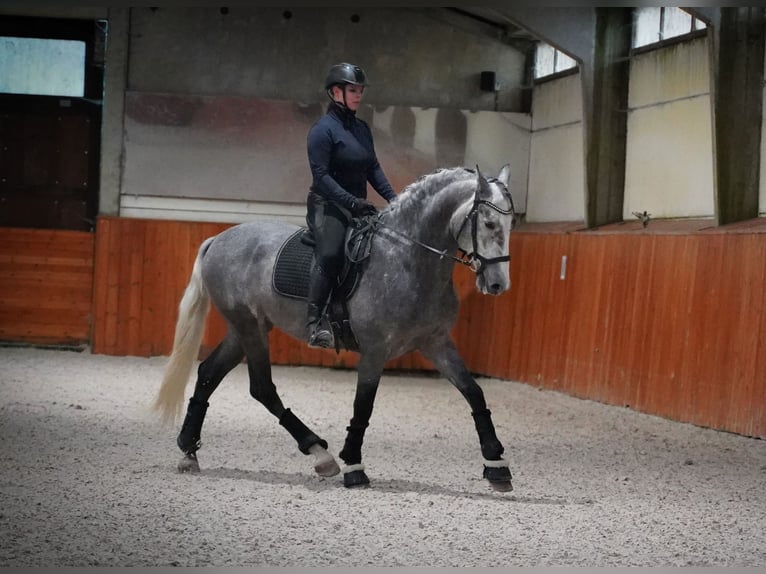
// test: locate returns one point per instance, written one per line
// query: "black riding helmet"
(345, 73)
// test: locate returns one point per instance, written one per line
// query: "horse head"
(483, 226)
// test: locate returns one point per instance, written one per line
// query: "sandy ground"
(88, 477)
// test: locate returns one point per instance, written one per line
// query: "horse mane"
(423, 189)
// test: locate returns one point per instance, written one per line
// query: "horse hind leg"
(210, 373)
(263, 390)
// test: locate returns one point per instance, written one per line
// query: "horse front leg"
(448, 361)
(369, 373)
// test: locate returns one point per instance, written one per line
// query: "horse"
(405, 300)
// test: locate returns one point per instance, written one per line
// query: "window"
(653, 25)
(549, 61)
(42, 67)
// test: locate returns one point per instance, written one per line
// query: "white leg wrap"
(497, 463)
(352, 468)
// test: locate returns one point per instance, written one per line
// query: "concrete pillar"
(599, 39)
(737, 59)
(605, 82)
(113, 111)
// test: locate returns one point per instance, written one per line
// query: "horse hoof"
(499, 475)
(355, 479)
(327, 468)
(188, 464)
(501, 486)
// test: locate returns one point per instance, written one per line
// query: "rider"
(342, 160)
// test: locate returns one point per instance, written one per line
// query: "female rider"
(342, 160)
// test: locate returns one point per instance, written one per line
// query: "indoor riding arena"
(615, 341)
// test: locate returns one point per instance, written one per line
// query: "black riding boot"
(320, 286)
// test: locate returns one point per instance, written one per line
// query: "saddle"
(292, 271)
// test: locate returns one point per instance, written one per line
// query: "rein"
(441, 254)
(474, 260)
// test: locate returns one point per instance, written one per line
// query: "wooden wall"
(46, 285)
(142, 267)
(668, 320)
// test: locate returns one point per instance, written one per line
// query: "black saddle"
(293, 268)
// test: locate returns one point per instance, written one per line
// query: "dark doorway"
(50, 136)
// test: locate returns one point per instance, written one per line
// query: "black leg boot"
(320, 285)
(189, 437)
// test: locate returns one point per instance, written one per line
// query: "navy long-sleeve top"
(342, 158)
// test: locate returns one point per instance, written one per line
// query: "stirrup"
(321, 339)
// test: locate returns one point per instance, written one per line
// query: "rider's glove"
(361, 207)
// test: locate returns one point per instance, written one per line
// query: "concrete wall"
(218, 105)
(669, 165)
(205, 109)
(232, 159)
(410, 58)
(425, 105)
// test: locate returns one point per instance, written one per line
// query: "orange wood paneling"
(668, 324)
(668, 321)
(46, 285)
(142, 267)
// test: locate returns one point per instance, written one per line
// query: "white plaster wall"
(557, 102)
(557, 175)
(669, 158)
(237, 159)
(669, 167)
(556, 168)
(671, 73)
(495, 139)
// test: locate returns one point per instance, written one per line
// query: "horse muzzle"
(493, 280)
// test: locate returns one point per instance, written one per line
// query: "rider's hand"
(363, 207)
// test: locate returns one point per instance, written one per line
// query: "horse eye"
(489, 225)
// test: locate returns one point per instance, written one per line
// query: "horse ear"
(483, 186)
(505, 174)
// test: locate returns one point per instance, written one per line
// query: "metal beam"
(708, 14)
(474, 24)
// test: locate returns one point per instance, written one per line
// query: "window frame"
(92, 33)
(693, 33)
(553, 75)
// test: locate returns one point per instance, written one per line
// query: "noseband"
(475, 260)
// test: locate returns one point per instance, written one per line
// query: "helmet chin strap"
(344, 104)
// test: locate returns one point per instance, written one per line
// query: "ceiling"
(489, 22)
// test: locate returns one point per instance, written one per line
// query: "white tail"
(192, 311)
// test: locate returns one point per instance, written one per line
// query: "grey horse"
(404, 301)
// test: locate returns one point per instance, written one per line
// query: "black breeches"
(327, 222)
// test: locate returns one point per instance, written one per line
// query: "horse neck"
(428, 219)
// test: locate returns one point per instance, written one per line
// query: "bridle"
(474, 259)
